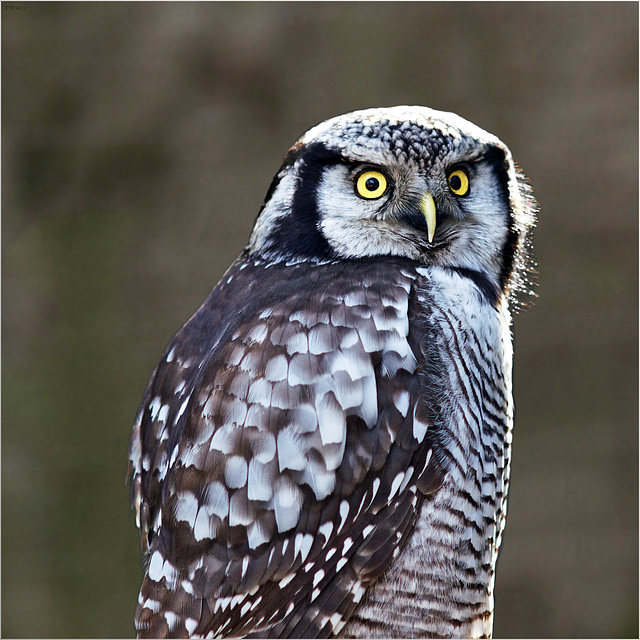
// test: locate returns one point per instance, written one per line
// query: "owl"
(324, 447)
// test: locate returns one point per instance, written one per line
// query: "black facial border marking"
(289, 160)
(298, 235)
(497, 158)
(489, 289)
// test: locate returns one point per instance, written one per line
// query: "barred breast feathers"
(442, 584)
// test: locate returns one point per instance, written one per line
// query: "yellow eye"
(459, 182)
(371, 185)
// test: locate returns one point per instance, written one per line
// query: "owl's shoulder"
(252, 288)
(257, 310)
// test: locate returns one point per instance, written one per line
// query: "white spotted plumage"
(325, 448)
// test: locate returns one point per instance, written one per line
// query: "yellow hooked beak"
(428, 207)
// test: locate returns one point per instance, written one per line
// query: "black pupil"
(455, 182)
(372, 184)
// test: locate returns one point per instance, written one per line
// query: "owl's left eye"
(371, 185)
(459, 182)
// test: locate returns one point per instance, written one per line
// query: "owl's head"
(400, 181)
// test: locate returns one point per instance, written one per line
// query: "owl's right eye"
(371, 185)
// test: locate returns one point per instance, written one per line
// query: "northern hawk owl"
(324, 447)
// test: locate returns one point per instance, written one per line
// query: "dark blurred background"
(138, 141)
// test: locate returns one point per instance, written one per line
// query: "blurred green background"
(138, 141)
